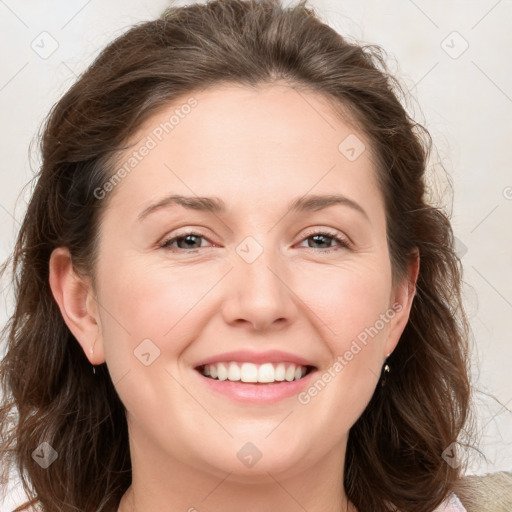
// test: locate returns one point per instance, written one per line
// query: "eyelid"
(330, 232)
(343, 242)
(166, 239)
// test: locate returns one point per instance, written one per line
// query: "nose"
(258, 295)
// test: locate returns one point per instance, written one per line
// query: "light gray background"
(464, 96)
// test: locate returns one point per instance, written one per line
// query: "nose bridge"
(259, 294)
(262, 273)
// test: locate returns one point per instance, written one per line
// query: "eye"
(191, 241)
(324, 237)
(185, 241)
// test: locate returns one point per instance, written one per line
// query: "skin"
(257, 149)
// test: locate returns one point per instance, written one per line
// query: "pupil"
(189, 240)
(316, 237)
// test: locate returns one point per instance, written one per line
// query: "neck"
(227, 496)
(158, 481)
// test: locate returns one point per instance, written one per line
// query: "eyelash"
(344, 244)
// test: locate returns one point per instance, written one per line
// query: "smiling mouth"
(250, 373)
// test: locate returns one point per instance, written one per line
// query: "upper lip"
(246, 356)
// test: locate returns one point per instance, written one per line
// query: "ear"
(77, 304)
(401, 302)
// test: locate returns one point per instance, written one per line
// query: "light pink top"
(451, 504)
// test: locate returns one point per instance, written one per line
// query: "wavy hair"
(393, 457)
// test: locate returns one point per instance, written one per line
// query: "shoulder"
(485, 493)
(451, 504)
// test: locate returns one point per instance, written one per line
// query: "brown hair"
(393, 456)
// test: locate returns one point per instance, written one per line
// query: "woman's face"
(258, 282)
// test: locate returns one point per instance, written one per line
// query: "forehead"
(265, 143)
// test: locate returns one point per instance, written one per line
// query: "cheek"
(149, 318)
(355, 317)
(350, 311)
(168, 304)
(141, 303)
(347, 299)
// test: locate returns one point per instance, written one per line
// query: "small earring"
(385, 371)
(93, 367)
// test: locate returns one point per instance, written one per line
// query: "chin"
(250, 462)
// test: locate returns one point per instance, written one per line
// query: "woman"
(230, 289)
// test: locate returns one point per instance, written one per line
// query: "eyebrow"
(216, 205)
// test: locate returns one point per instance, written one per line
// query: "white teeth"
(250, 372)
(266, 373)
(280, 372)
(222, 371)
(233, 372)
(290, 373)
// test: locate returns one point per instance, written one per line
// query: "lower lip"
(257, 393)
